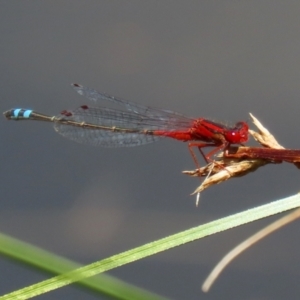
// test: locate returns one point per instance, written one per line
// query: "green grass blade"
(42, 260)
(156, 247)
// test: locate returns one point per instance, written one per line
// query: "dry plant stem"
(264, 137)
(231, 168)
(246, 244)
(269, 154)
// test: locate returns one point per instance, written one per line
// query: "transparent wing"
(116, 128)
(133, 126)
(98, 98)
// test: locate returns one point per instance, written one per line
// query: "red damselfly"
(134, 125)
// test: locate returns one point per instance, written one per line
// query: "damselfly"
(134, 124)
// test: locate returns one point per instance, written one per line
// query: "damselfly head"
(239, 134)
